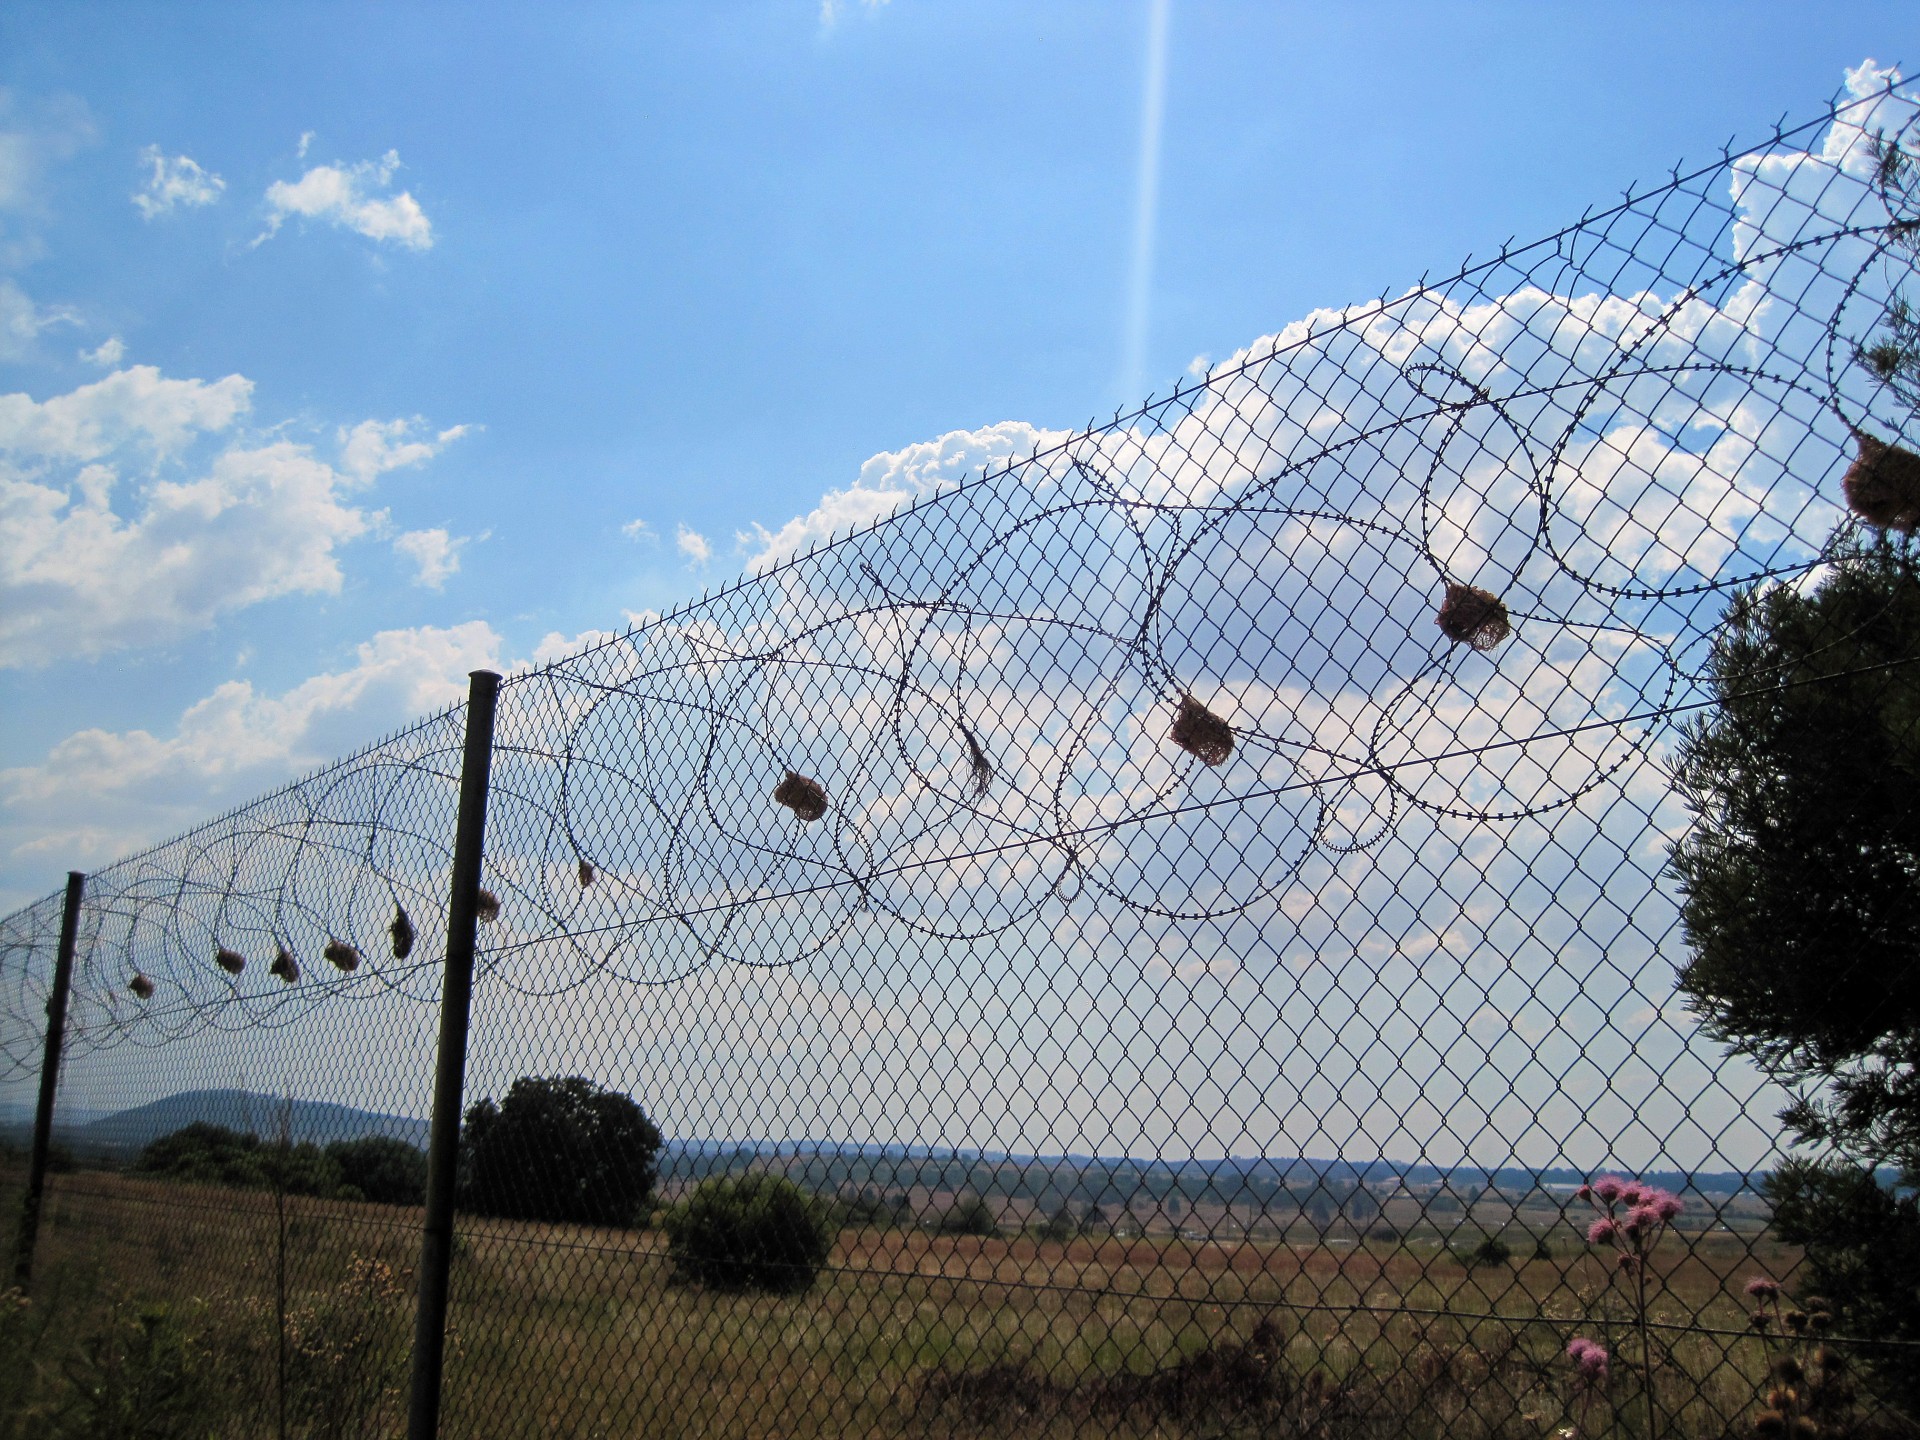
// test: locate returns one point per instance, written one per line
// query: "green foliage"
(749, 1232)
(969, 1215)
(348, 1353)
(1491, 1252)
(383, 1170)
(22, 1330)
(203, 1154)
(1893, 354)
(1800, 885)
(561, 1150)
(1800, 879)
(143, 1377)
(1863, 1254)
(871, 1211)
(1060, 1225)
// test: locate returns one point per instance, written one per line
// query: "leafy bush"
(1862, 1244)
(22, 1326)
(383, 1170)
(1060, 1225)
(561, 1150)
(868, 1211)
(348, 1353)
(144, 1377)
(749, 1232)
(970, 1215)
(203, 1154)
(1492, 1250)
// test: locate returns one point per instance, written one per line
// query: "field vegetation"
(223, 1306)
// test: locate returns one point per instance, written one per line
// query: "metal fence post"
(450, 1073)
(49, 1078)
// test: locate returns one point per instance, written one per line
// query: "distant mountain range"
(307, 1120)
(831, 1164)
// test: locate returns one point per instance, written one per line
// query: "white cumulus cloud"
(174, 182)
(891, 479)
(435, 555)
(135, 406)
(132, 511)
(349, 197)
(133, 787)
(693, 545)
(373, 447)
(107, 354)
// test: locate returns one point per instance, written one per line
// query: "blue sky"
(382, 342)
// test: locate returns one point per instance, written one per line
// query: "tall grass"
(579, 1332)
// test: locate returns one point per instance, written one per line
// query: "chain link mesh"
(1187, 908)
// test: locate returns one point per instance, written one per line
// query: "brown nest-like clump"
(978, 762)
(487, 907)
(285, 966)
(231, 961)
(802, 796)
(1472, 616)
(1882, 485)
(1201, 733)
(342, 955)
(141, 986)
(402, 932)
(586, 873)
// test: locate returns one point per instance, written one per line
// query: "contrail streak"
(1146, 203)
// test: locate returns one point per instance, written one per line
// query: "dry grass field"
(578, 1332)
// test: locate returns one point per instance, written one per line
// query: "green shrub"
(1862, 1242)
(384, 1170)
(560, 1149)
(868, 1211)
(1060, 1225)
(143, 1377)
(22, 1327)
(1491, 1251)
(348, 1353)
(749, 1232)
(970, 1215)
(204, 1154)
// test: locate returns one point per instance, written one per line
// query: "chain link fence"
(1162, 937)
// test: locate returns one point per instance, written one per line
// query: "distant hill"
(19, 1114)
(830, 1166)
(1050, 1179)
(315, 1120)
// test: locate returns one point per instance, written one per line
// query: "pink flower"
(1609, 1188)
(1585, 1192)
(1761, 1288)
(1589, 1359)
(1666, 1205)
(1642, 1218)
(1602, 1232)
(1635, 1194)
